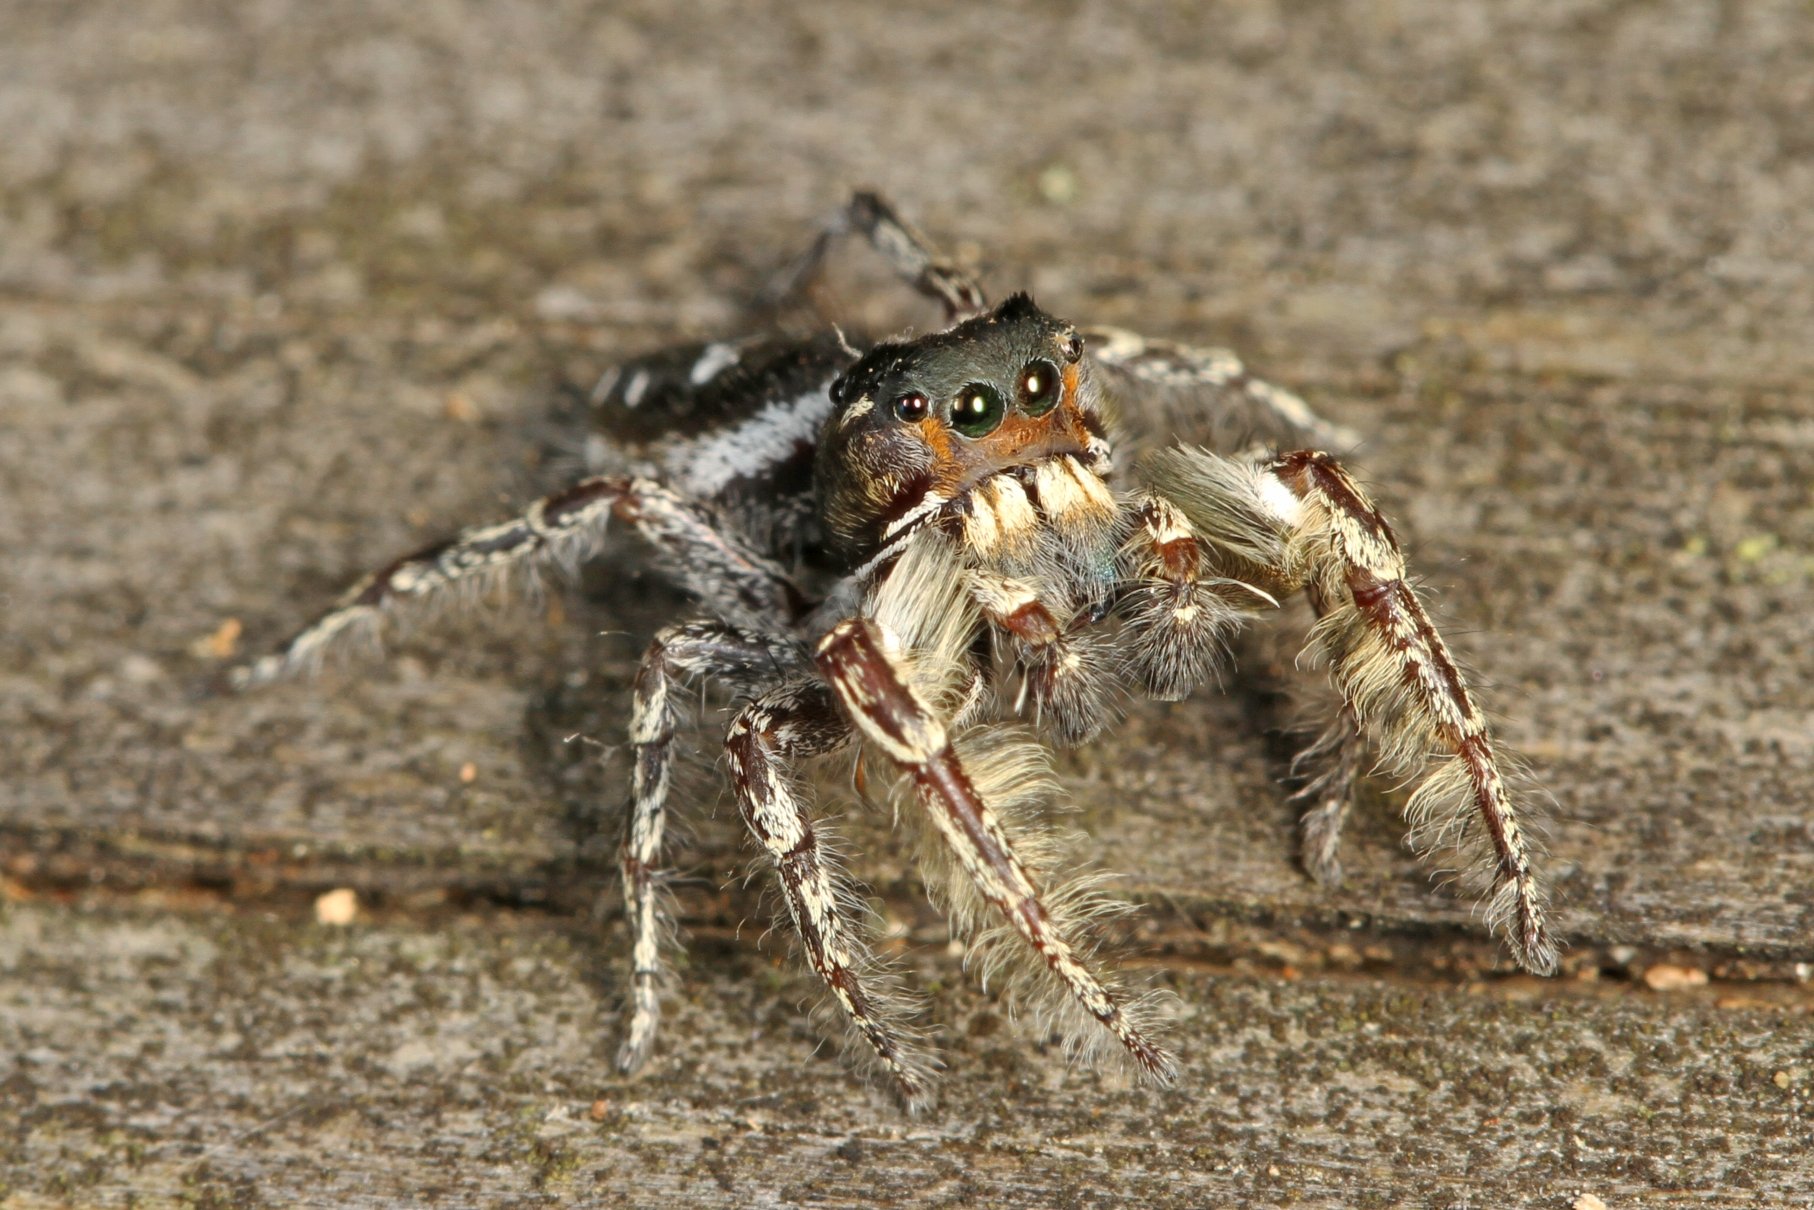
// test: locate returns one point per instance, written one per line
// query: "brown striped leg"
(1398, 678)
(796, 721)
(892, 716)
(1299, 521)
(558, 530)
(1178, 618)
(907, 252)
(677, 656)
(1067, 673)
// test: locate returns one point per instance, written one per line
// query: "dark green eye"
(1038, 388)
(978, 410)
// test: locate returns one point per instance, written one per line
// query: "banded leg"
(559, 530)
(796, 721)
(677, 656)
(1302, 522)
(891, 715)
(1068, 675)
(907, 252)
(1170, 391)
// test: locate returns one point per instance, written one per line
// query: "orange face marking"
(949, 467)
(961, 464)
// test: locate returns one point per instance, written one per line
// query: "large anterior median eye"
(1038, 388)
(978, 410)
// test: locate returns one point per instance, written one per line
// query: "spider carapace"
(905, 546)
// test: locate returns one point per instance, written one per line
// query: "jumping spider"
(893, 546)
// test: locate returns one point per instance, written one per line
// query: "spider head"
(992, 426)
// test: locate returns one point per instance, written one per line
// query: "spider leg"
(677, 656)
(795, 721)
(1332, 764)
(1299, 521)
(561, 530)
(1169, 391)
(877, 697)
(911, 256)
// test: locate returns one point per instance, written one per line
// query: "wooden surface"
(286, 290)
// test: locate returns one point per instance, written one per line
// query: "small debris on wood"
(337, 907)
(1664, 977)
(459, 407)
(1588, 1201)
(469, 773)
(223, 644)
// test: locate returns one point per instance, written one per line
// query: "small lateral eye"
(910, 407)
(978, 410)
(1039, 388)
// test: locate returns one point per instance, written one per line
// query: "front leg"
(877, 697)
(1299, 521)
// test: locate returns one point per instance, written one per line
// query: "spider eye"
(1038, 388)
(910, 407)
(978, 410)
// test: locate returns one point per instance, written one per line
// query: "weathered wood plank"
(246, 1059)
(280, 297)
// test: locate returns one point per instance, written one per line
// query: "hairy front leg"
(676, 657)
(878, 699)
(1299, 521)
